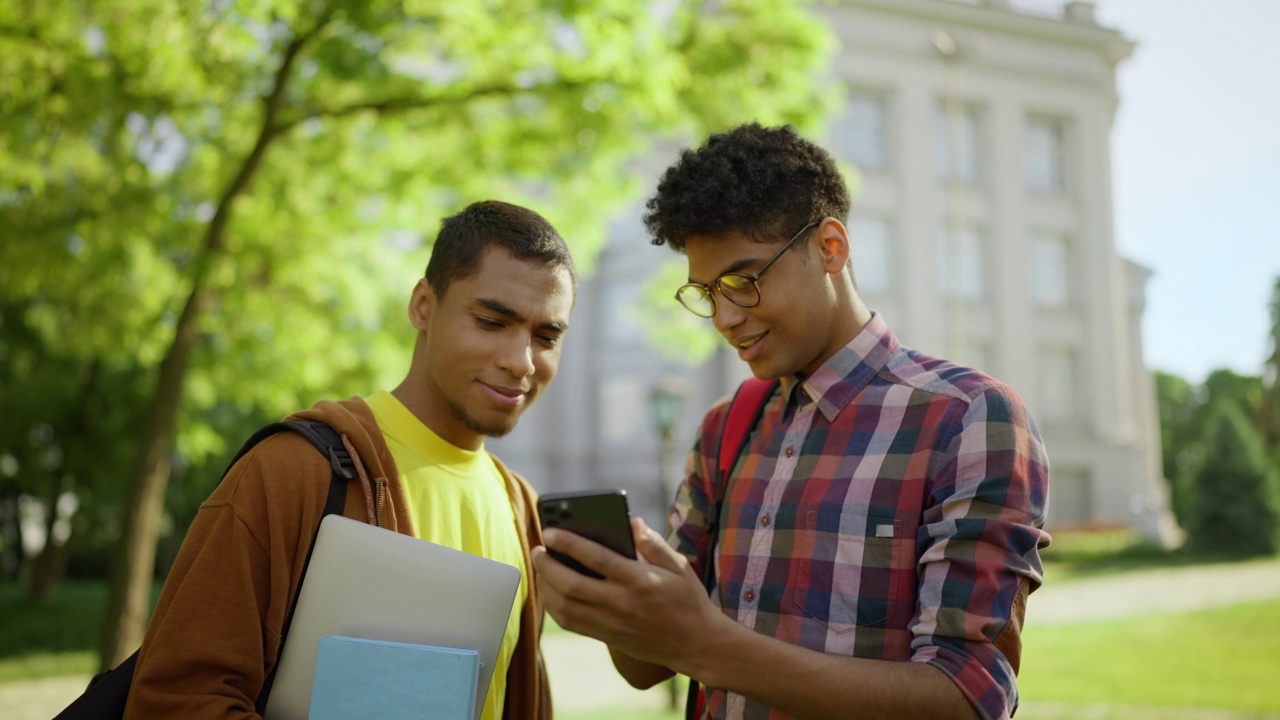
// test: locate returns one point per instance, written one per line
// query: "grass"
(1220, 658)
(1081, 554)
(54, 638)
(1158, 667)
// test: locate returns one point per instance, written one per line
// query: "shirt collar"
(833, 385)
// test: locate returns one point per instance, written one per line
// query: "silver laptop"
(367, 582)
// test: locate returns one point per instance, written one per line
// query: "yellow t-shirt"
(457, 498)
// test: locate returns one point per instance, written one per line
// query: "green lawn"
(1222, 658)
(1078, 554)
(51, 639)
(1159, 667)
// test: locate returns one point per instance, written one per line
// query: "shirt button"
(790, 451)
(764, 521)
(749, 596)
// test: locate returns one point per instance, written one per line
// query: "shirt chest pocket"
(851, 579)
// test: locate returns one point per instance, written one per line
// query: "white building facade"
(981, 229)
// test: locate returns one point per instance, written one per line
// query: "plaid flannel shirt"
(889, 506)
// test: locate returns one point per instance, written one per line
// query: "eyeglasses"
(739, 289)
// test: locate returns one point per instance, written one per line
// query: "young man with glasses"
(880, 531)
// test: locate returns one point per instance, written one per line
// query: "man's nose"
(727, 315)
(517, 358)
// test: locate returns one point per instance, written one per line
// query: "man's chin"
(493, 427)
(497, 432)
(497, 427)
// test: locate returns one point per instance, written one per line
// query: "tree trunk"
(128, 604)
(47, 569)
(51, 563)
(10, 526)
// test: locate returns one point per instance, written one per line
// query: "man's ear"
(834, 244)
(421, 304)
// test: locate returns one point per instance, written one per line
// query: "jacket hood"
(353, 418)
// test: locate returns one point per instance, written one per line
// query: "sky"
(1196, 163)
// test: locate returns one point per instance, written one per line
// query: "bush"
(1235, 503)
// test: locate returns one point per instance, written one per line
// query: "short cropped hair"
(464, 237)
(764, 182)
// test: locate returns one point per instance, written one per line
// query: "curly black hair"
(765, 182)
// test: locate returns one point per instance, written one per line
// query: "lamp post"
(666, 400)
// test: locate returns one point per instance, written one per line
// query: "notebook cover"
(358, 678)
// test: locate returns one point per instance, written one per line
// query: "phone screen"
(598, 515)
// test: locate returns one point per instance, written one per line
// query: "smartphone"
(598, 515)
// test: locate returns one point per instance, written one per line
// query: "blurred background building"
(982, 230)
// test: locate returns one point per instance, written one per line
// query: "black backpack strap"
(342, 466)
(341, 469)
(109, 690)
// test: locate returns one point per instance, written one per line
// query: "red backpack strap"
(744, 413)
(745, 410)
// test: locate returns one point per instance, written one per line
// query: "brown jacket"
(216, 630)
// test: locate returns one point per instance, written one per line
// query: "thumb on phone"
(653, 548)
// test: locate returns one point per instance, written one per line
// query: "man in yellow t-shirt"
(456, 497)
(489, 319)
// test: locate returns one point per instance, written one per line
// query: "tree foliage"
(1181, 447)
(1236, 500)
(1269, 419)
(222, 204)
(1186, 415)
(64, 431)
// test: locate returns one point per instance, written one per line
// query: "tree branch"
(406, 103)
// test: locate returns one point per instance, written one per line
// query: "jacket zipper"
(377, 506)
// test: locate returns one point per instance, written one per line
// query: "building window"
(620, 300)
(1059, 386)
(1049, 272)
(860, 135)
(961, 274)
(622, 406)
(1045, 156)
(976, 353)
(1071, 501)
(872, 254)
(956, 141)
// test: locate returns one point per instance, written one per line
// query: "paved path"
(1154, 591)
(582, 677)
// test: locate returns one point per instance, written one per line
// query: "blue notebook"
(367, 582)
(357, 678)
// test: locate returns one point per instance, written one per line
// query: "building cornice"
(1007, 20)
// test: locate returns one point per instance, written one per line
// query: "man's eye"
(488, 323)
(549, 340)
(735, 282)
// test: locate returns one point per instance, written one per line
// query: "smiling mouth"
(747, 343)
(506, 396)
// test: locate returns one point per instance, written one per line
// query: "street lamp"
(666, 400)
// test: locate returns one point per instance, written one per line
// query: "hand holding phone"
(598, 515)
